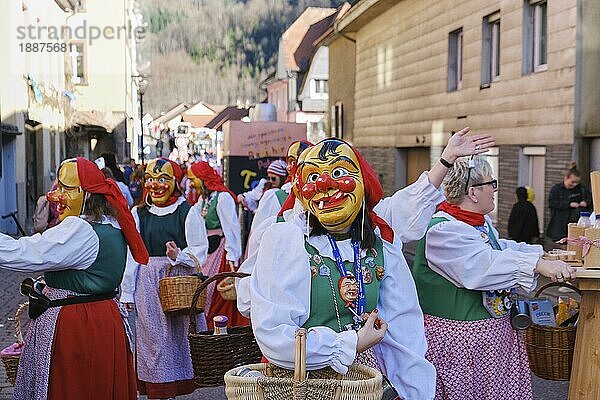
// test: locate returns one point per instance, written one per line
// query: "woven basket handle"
(300, 374)
(194, 259)
(202, 287)
(18, 333)
(557, 284)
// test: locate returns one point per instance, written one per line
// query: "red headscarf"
(93, 181)
(373, 194)
(178, 175)
(210, 178)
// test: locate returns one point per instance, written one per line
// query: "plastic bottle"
(584, 219)
(220, 323)
(597, 222)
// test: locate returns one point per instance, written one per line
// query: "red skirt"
(220, 306)
(91, 358)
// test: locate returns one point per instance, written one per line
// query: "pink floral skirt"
(478, 360)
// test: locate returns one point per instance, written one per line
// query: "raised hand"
(462, 144)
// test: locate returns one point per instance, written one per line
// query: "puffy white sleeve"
(517, 246)
(228, 216)
(457, 251)
(253, 196)
(127, 292)
(409, 210)
(267, 207)
(401, 353)
(249, 264)
(280, 296)
(196, 238)
(72, 244)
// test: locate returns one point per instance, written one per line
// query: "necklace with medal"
(350, 286)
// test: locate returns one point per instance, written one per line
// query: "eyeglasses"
(493, 182)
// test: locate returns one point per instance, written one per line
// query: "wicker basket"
(549, 348)
(176, 292)
(11, 363)
(360, 383)
(213, 355)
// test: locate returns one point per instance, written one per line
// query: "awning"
(7, 129)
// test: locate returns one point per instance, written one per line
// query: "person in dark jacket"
(566, 200)
(523, 225)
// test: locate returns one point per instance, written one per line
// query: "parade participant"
(167, 224)
(329, 269)
(464, 274)
(265, 216)
(83, 259)
(276, 176)
(219, 209)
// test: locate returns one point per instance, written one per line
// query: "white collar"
(170, 209)
(106, 220)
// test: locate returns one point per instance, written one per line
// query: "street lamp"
(142, 85)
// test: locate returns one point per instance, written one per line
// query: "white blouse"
(195, 236)
(280, 286)
(230, 224)
(72, 244)
(458, 252)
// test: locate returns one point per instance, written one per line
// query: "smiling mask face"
(330, 184)
(69, 195)
(160, 181)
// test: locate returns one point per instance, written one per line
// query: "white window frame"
(319, 88)
(74, 53)
(537, 36)
(337, 120)
(455, 64)
(490, 49)
(495, 50)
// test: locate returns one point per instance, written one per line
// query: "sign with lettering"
(260, 139)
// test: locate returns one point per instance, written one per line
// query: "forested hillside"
(213, 50)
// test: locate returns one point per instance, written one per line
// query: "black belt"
(38, 302)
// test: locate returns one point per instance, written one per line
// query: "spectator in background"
(566, 200)
(136, 183)
(128, 170)
(110, 162)
(523, 225)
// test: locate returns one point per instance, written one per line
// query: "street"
(10, 299)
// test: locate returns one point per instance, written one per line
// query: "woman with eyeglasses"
(466, 277)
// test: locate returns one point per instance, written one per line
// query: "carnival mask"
(348, 287)
(293, 153)
(330, 184)
(68, 196)
(195, 182)
(159, 181)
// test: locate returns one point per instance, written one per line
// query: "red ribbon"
(585, 243)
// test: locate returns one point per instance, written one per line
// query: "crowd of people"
(324, 253)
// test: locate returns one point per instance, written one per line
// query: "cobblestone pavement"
(10, 299)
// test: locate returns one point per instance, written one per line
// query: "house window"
(455, 48)
(319, 88)
(490, 52)
(535, 36)
(78, 63)
(385, 65)
(337, 120)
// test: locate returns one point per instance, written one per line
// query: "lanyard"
(490, 236)
(360, 307)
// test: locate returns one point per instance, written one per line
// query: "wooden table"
(585, 373)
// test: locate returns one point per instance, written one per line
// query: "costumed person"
(268, 215)
(465, 277)
(219, 209)
(78, 344)
(175, 235)
(341, 262)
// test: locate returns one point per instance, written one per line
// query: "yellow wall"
(342, 70)
(408, 45)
